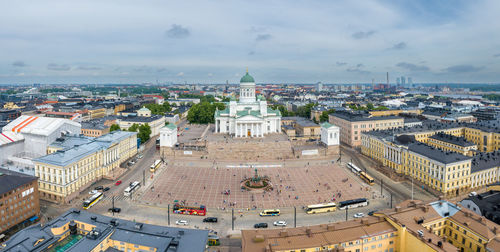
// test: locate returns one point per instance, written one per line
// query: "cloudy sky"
(279, 41)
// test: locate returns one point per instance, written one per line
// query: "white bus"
(321, 208)
(131, 188)
(353, 168)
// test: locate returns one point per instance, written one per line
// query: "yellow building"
(11, 105)
(78, 230)
(443, 161)
(71, 167)
(410, 227)
(394, 112)
(352, 125)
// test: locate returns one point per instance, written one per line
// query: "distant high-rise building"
(319, 87)
(410, 82)
(403, 81)
(398, 81)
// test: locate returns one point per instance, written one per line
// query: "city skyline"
(299, 42)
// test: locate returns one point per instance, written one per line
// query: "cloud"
(496, 55)
(88, 68)
(18, 63)
(362, 35)
(56, 67)
(180, 74)
(161, 69)
(210, 74)
(399, 46)
(413, 67)
(462, 69)
(263, 37)
(341, 63)
(20, 74)
(178, 32)
(251, 53)
(357, 69)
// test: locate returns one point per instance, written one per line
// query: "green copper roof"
(247, 79)
(326, 125)
(273, 111)
(261, 98)
(171, 126)
(248, 112)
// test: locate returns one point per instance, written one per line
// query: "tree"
(133, 128)
(203, 112)
(114, 127)
(305, 111)
(157, 109)
(324, 115)
(144, 132)
(370, 106)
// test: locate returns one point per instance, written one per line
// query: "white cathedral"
(250, 116)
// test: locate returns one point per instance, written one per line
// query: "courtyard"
(218, 185)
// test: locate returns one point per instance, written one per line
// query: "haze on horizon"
(126, 41)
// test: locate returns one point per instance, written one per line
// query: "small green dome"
(247, 78)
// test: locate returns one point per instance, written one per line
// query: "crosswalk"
(117, 198)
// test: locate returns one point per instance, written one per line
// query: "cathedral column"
(216, 126)
(235, 129)
(253, 129)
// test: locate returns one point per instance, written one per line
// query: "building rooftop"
(67, 142)
(360, 117)
(460, 141)
(94, 125)
(314, 236)
(38, 125)
(161, 238)
(140, 119)
(484, 161)
(488, 204)
(11, 180)
(437, 154)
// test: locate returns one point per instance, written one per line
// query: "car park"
(359, 215)
(210, 219)
(260, 225)
(280, 223)
(182, 222)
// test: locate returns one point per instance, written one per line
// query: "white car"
(182, 222)
(280, 223)
(93, 192)
(359, 215)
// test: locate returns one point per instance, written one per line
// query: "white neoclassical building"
(248, 117)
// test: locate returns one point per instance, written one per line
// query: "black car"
(99, 187)
(372, 212)
(210, 219)
(115, 209)
(105, 189)
(260, 225)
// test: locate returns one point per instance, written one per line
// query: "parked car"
(260, 225)
(210, 219)
(105, 189)
(114, 209)
(93, 192)
(119, 182)
(182, 222)
(472, 194)
(140, 156)
(99, 187)
(359, 215)
(372, 212)
(280, 223)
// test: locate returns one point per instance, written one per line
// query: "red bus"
(180, 209)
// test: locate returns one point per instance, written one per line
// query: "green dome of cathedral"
(247, 78)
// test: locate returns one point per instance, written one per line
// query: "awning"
(34, 218)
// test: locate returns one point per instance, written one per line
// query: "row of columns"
(256, 129)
